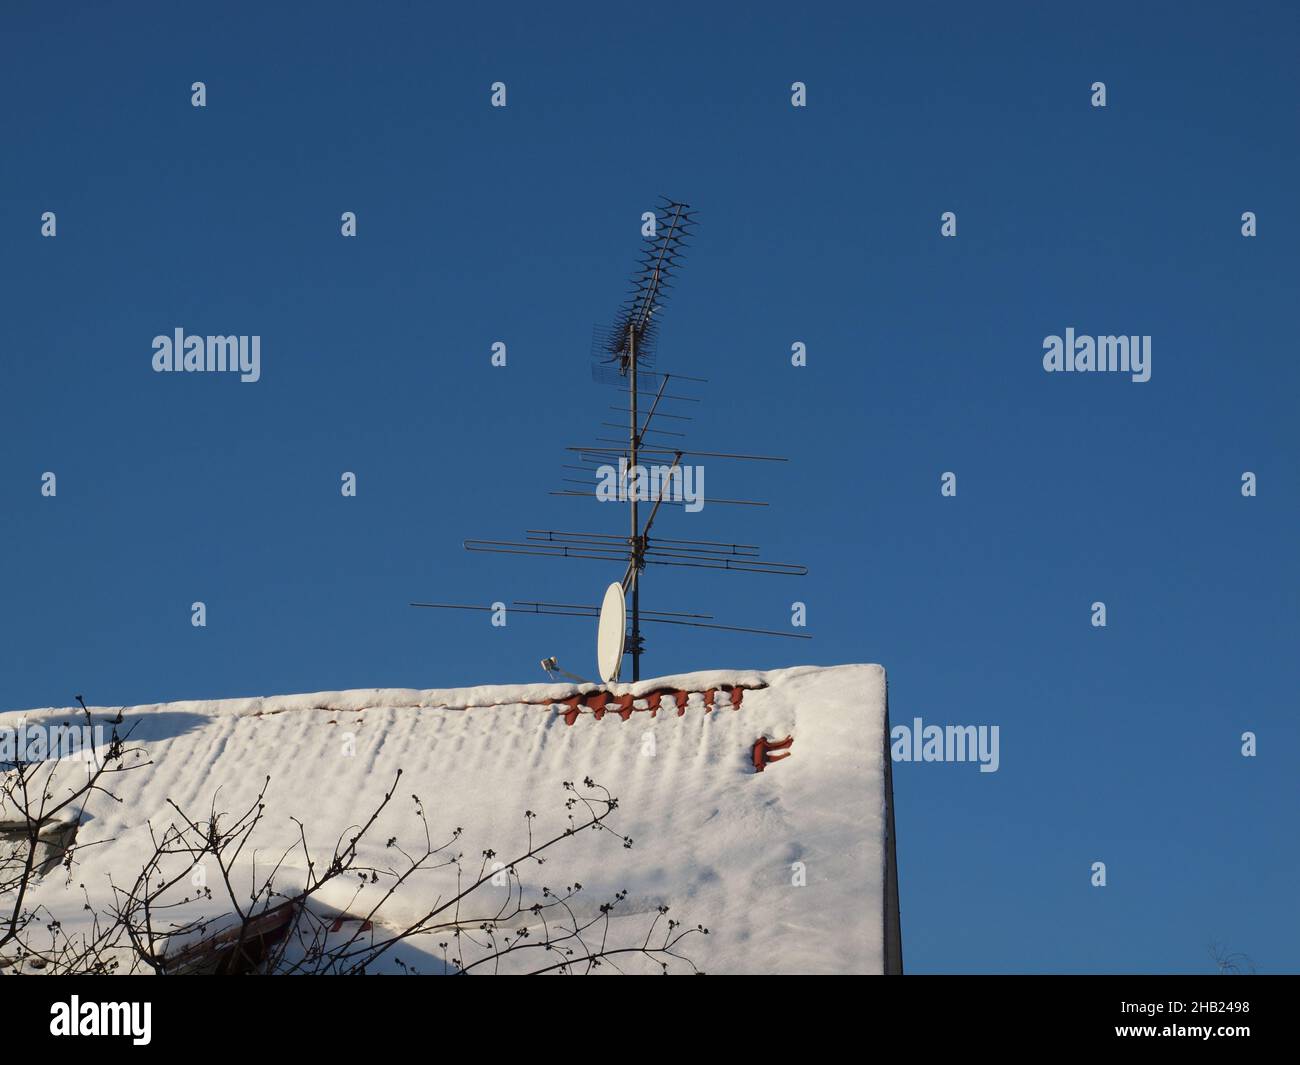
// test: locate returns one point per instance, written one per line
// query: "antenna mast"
(636, 323)
(623, 356)
(638, 549)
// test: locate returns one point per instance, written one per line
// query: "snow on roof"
(790, 868)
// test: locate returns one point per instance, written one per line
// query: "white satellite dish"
(611, 631)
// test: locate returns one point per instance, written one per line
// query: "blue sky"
(818, 225)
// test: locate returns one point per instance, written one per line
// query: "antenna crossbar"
(559, 610)
(684, 451)
(671, 502)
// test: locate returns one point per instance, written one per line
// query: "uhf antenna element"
(623, 355)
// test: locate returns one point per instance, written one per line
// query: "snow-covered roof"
(790, 868)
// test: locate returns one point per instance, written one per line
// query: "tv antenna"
(624, 356)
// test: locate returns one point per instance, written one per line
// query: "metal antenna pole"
(636, 531)
(638, 323)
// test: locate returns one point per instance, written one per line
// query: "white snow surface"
(718, 843)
